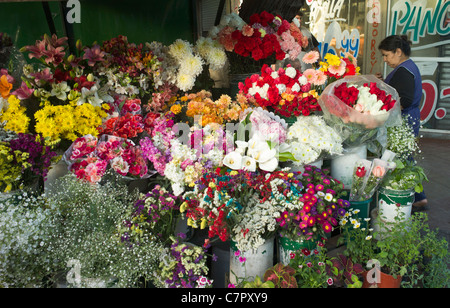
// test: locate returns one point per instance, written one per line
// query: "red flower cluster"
(261, 38)
(126, 126)
(349, 95)
(283, 90)
(388, 101)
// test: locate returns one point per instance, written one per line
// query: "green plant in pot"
(407, 175)
(436, 257)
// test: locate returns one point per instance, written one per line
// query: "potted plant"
(398, 188)
(398, 256)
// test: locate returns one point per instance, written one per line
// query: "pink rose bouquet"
(80, 148)
(90, 168)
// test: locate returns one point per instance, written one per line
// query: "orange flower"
(5, 87)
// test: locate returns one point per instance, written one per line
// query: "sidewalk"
(436, 162)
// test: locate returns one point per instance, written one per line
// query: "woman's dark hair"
(391, 43)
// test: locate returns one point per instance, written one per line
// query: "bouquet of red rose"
(286, 91)
(359, 106)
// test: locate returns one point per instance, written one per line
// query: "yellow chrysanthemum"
(15, 116)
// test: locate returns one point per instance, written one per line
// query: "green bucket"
(295, 245)
(363, 208)
(286, 246)
(392, 203)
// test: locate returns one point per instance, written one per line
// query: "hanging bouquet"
(357, 106)
(265, 39)
(264, 145)
(367, 177)
(310, 139)
(286, 91)
(319, 207)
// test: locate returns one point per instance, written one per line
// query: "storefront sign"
(416, 18)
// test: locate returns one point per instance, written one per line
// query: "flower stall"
(251, 170)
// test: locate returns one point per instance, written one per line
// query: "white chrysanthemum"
(180, 49)
(191, 65)
(216, 58)
(185, 82)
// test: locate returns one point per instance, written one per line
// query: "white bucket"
(342, 166)
(257, 262)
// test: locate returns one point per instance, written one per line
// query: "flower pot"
(342, 166)
(394, 204)
(287, 246)
(380, 280)
(246, 265)
(363, 208)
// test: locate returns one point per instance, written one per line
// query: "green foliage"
(345, 272)
(281, 275)
(258, 283)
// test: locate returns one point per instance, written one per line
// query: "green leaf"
(285, 156)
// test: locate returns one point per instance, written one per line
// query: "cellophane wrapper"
(355, 127)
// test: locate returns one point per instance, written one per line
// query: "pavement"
(435, 159)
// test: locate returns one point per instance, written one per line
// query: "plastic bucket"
(393, 203)
(342, 166)
(287, 246)
(363, 210)
(257, 261)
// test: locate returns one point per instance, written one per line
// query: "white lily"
(269, 165)
(248, 163)
(233, 160)
(241, 147)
